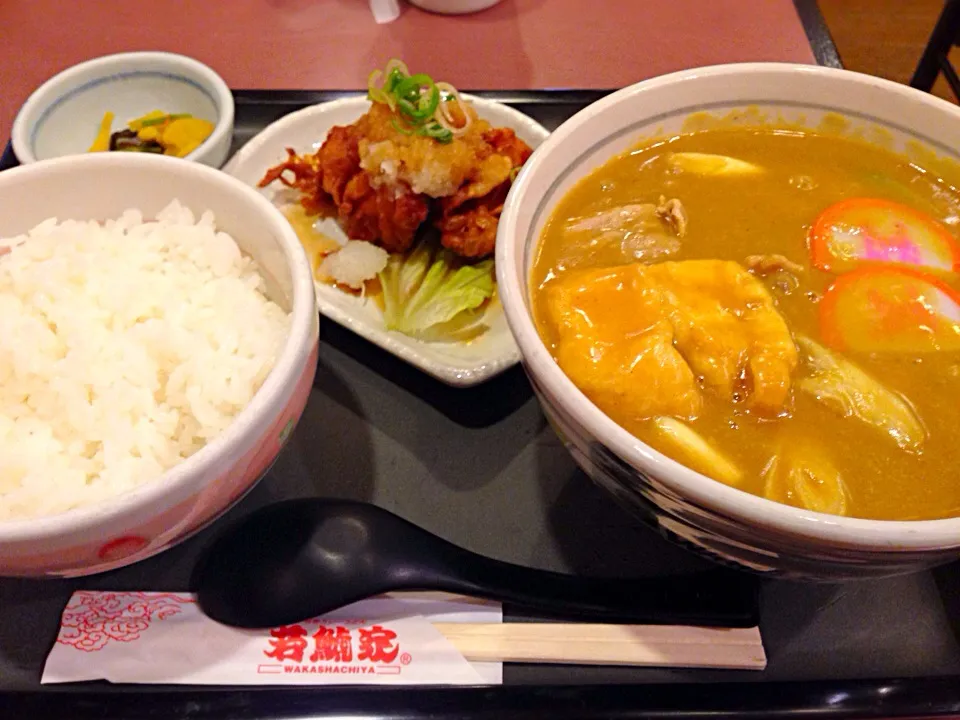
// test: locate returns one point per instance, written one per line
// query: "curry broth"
(733, 217)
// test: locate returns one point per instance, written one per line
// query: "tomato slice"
(853, 232)
(890, 309)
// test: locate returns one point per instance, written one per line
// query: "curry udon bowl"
(720, 520)
(159, 513)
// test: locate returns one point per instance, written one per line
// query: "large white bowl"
(727, 523)
(61, 117)
(158, 514)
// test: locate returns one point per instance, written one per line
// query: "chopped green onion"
(410, 87)
(437, 132)
(399, 128)
(420, 103)
(377, 95)
(420, 113)
(393, 79)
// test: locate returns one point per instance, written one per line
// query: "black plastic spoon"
(302, 558)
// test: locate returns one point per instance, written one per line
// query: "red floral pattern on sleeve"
(91, 620)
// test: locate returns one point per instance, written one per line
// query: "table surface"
(315, 44)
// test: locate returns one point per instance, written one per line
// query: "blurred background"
(885, 37)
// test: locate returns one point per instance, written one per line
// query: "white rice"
(125, 347)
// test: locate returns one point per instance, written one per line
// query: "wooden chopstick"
(589, 644)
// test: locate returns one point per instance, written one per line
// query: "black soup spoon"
(299, 559)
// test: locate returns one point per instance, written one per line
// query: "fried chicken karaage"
(383, 182)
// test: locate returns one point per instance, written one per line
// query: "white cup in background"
(454, 7)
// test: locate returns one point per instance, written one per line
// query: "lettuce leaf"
(432, 294)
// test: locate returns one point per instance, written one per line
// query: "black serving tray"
(481, 467)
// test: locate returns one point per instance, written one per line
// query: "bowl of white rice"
(158, 343)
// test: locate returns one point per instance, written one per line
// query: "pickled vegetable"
(177, 134)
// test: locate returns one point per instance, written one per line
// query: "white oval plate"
(457, 364)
